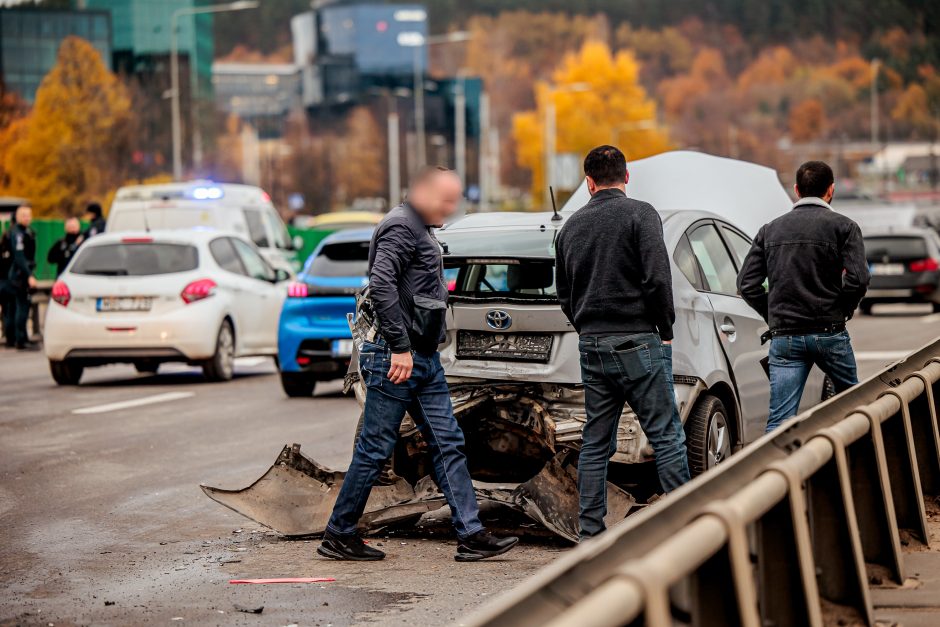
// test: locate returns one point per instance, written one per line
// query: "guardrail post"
(902, 469)
(837, 547)
(923, 411)
(874, 503)
(723, 593)
(785, 568)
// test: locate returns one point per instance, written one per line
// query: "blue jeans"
(634, 369)
(792, 357)
(426, 398)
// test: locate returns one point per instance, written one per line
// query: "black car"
(905, 268)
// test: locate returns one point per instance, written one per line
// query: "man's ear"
(796, 190)
(626, 178)
(831, 192)
(592, 186)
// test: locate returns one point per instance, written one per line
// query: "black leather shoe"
(348, 548)
(482, 545)
(28, 346)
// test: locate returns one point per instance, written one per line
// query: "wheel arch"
(724, 392)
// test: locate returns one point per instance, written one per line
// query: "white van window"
(257, 267)
(276, 227)
(140, 219)
(256, 230)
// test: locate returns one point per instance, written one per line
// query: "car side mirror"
(297, 243)
(281, 275)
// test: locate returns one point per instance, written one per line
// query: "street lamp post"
(551, 135)
(875, 67)
(176, 124)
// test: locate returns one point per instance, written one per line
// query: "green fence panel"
(48, 232)
(311, 238)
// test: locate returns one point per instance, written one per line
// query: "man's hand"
(402, 364)
(32, 282)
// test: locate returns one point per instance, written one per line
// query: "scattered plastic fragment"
(285, 580)
(249, 610)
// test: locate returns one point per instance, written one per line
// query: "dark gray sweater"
(612, 268)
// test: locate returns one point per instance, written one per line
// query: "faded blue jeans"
(634, 369)
(426, 398)
(791, 359)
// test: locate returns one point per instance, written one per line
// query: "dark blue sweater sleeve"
(394, 248)
(657, 274)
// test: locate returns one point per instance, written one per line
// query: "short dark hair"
(814, 178)
(426, 173)
(606, 165)
(94, 209)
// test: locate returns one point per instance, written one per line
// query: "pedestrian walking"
(614, 283)
(95, 219)
(19, 247)
(64, 249)
(402, 372)
(812, 260)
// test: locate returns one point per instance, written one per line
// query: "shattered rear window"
(490, 242)
(522, 279)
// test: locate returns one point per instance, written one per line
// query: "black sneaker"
(482, 545)
(348, 548)
(28, 346)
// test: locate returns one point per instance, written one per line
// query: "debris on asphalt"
(249, 610)
(285, 580)
(110, 602)
(229, 560)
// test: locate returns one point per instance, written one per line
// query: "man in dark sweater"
(813, 260)
(615, 286)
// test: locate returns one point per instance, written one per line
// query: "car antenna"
(557, 216)
(146, 221)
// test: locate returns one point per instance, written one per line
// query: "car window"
(525, 279)
(714, 259)
(686, 263)
(225, 255)
(135, 259)
(277, 230)
(739, 244)
(347, 259)
(256, 230)
(256, 266)
(898, 248)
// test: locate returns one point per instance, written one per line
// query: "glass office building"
(30, 39)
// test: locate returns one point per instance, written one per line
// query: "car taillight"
(198, 290)
(298, 289)
(61, 294)
(924, 265)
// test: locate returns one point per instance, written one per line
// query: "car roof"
(524, 220)
(179, 191)
(908, 231)
(178, 236)
(349, 235)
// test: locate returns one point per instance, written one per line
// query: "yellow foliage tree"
(74, 145)
(598, 100)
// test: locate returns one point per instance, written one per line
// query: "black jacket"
(20, 243)
(612, 269)
(406, 282)
(63, 250)
(813, 260)
(96, 227)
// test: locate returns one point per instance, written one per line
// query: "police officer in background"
(63, 250)
(95, 218)
(19, 248)
(813, 260)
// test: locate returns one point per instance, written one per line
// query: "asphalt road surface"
(102, 520)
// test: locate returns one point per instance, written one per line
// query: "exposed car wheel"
(828, 388)
(66, 372)
(221, 367)
(709, 434)
(936, 307)
(297, 385)
(147, 367)
(865, 308)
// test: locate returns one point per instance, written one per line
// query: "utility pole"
(551, 131)
(460, 129)
(484, 150)
(421, 150)
(394, 155)
(875, 67)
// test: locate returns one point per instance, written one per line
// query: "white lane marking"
(930, 319)
(251, 362)
(881, 355)
(137, 402)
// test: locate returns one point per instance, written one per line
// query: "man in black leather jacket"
(813, 260)
(402, 372)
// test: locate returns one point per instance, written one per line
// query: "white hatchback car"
(200, 297)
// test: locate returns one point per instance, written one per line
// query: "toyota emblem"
(498, 319)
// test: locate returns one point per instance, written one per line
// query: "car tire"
(936, 307)
(709, 436)
(298, 385)
(221, 366)
(146, 367)
(66, 372)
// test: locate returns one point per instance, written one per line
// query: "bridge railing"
(786, 532)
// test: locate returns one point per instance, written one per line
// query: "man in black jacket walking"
(64, 249)
(813, 260)
(19, 247)
(614, 283)
(402, 371)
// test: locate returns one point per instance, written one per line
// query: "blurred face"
(72, 226)
(24, 216)
(437, 198)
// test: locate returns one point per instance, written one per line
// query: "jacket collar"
(811, 201)
(610, 192)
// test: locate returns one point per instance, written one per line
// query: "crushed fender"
(296, 495)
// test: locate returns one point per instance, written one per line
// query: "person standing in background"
(19, 243)
(95, 218)
(63, 250)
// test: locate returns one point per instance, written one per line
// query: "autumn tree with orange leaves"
(75, 144)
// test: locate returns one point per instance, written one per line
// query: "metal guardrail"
(781, 534)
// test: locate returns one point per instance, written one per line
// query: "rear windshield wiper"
(102, 272)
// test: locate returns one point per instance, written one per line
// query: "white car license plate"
(124, 303)
(342, 348)
(887, 269)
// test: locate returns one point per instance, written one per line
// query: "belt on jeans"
(836, 327)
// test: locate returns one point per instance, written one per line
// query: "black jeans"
(634, 369)
(15, 303)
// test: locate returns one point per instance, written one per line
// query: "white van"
(244, 209)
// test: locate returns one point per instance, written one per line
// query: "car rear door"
(267, 297)
(719, 250)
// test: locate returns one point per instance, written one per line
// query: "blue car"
(314, 342)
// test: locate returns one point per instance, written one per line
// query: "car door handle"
(728, 329)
